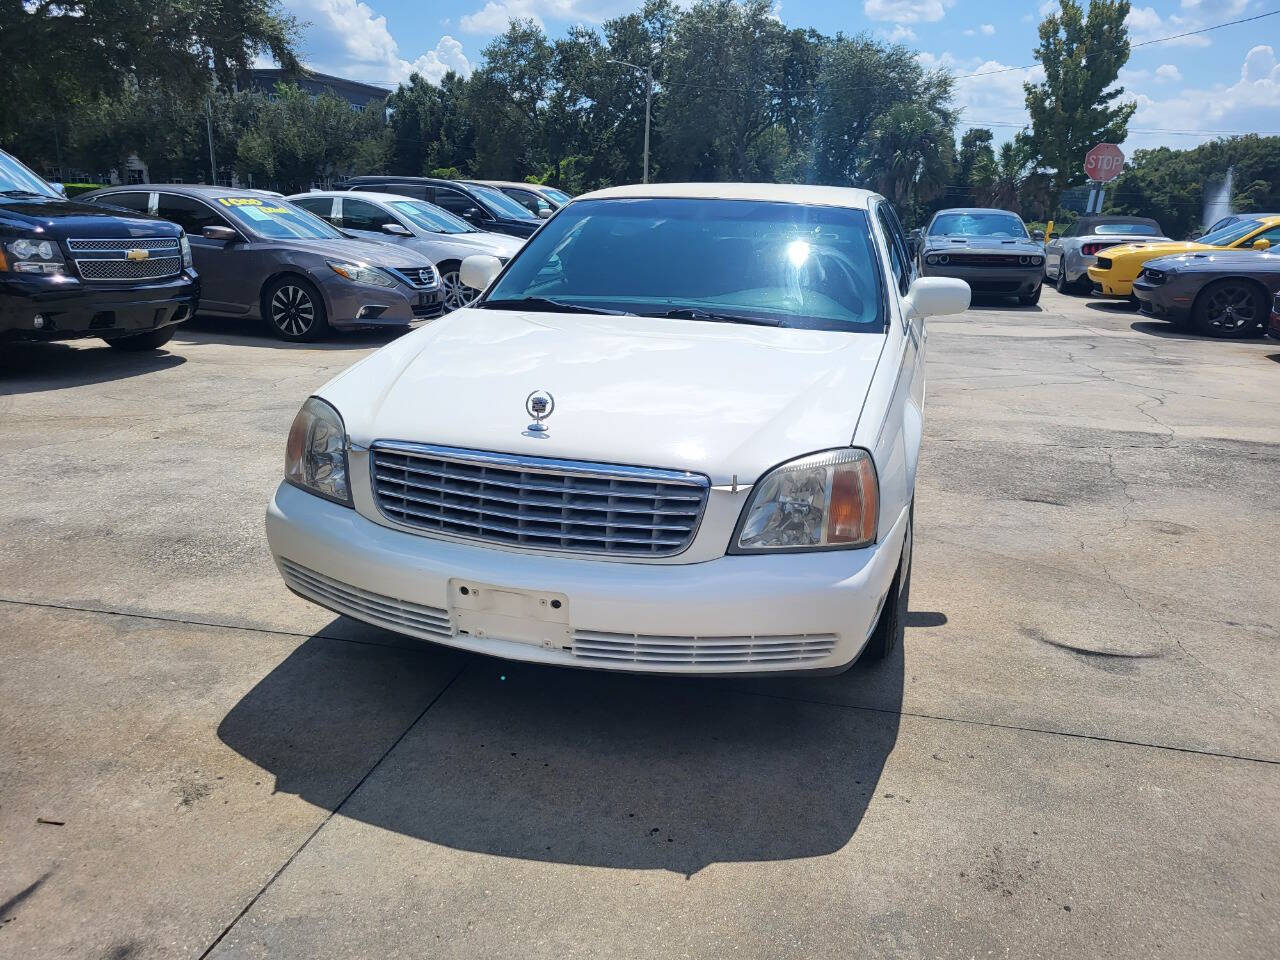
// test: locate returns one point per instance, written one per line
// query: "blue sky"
(1225, 81)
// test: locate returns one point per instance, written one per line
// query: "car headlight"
(823, 501)
(931, 259)
(316, 455)
(32, 255)
(185, 246)
(361, 273)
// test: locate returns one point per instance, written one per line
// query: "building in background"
(359, 95)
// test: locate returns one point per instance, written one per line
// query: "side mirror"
(478, 271)
(936, 297)
(1262, 244)
(225, 234)
(471, 213)
(1037, 235)
(60, 187)
(544, 213)
(396, 230)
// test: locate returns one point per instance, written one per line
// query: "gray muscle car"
(1068, 257)
(1222, 293)
(988, 249)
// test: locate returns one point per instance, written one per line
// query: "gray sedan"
(265, 258)
(1069, 256)
(1220, 293)
(393, 218)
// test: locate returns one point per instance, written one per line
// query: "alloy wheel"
(456, 293)
(1232, 307)
(292, 310)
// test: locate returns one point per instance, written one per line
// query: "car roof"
(778, 192)
(976, 210)
(187, 189)
(370, 194)
(504, 183)
(388, 178)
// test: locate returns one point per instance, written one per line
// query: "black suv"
(71, 270)
(481, 206)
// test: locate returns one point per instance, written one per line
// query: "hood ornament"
(540, 404)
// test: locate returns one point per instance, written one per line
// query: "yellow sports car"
(1117, 267)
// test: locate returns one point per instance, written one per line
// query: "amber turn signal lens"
(855, 503)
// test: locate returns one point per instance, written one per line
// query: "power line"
(1184, 133)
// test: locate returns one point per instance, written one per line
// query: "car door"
(365, 220)
(1053, 251)
(323, 207)
(528, 199)
(221, 264)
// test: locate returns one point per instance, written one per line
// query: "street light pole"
(648, 107)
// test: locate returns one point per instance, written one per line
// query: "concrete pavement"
(1077, 753)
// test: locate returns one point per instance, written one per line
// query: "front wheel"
(151, 340)
(1229, 308)
(295, 309)
(892, 625)
(453, 291)
(1029, 299)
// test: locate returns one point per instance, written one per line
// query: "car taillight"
(1089, 249)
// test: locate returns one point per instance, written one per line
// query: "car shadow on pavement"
(40, 367)
(1172, 331)
(246, 332)
(586, 767)
(987, 303)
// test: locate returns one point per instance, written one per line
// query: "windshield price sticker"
(240, 201)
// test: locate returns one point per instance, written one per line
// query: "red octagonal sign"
(1104, 162)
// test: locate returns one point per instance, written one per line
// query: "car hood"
(1149, 250)
(1218, 260)
(69, 218)
(371, 252)
(495, 244)
(724, 400)
(981, 245)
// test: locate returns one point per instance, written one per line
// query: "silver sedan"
(437, 234)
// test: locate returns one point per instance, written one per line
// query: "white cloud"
(494, 16)
(907, 11)
(900, 33)
(1168, 72)
(988, 29)
(1252, 103)
(995, 99)
(348, 39)
(1048, 7)
(1145, 24)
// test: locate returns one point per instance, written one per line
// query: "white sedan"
(677, 434)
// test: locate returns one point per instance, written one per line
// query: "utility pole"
(208, 122)
(648, 107)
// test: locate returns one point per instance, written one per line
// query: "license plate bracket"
(485, 610)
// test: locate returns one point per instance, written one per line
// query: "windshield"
(430, 217)
(1126, 229)
(14, 176)
(559, 196)
(278, 219)
(1230, 234)
(977, 225)
(784, 264)
(498, 202)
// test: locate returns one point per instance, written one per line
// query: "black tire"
(1230, 308)
(151, 340)
(453, 294)
(1030, 299)
(1063, 285)
(295, 309)
(892, 625)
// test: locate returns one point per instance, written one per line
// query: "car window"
(430, 217)
(1272, 235)
(977, 224)
(363, 215)
(527, 199)
(500, 204)
(897, 246)
(1230, 233)
(276, 219)
(191, 215)
(454, 201)
(559, 196)
(321, 206)
(16, 176)
(416, 190)
(792, 264)
(130, 201)
(1126, 230)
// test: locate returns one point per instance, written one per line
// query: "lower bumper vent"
(415, 619)
(639, 648)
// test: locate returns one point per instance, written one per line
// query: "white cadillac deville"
(677, 434)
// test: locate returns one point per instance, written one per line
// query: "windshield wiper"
(711, 316)
(547, 305)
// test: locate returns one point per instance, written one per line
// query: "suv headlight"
(824, 501)
(316, 455)
(32, 255)
(185, 246)
(361, 273)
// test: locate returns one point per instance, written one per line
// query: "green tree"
(1077, 105)
(999, 177)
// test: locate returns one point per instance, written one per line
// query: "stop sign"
(1104, 162)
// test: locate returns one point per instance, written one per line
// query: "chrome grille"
(430, 623)
(639, 648)
(420, 278)
(538, 503)
(132, 243)
(151, 269)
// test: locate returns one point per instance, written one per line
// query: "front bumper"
(731, 615)
(1007, 281)
(1107, 284)
(358, 306)
(69, 310)
(1164, 301)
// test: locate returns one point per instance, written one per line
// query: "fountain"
(1217, 202)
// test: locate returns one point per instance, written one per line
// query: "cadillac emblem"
(539, 405)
